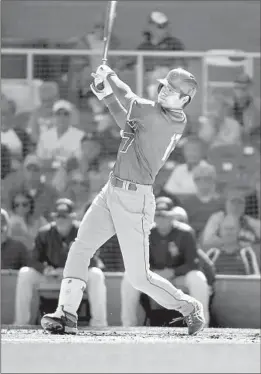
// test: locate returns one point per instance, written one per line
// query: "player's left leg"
(133, 215)
(197, 285)
(95, 229)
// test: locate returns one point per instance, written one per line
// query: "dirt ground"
(132, 350)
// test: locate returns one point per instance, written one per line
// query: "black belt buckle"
(132, 187)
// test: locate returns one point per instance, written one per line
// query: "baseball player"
(126, 204)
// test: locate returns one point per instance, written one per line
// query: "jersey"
(150, 135)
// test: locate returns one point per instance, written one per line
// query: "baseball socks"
(71, 294)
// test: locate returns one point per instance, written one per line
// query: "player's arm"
(120, 89)
(118, 112)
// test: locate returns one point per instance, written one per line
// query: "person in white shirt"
(62, 141)
(181, 179)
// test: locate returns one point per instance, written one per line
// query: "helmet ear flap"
(160, 87)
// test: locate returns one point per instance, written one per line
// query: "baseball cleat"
(195, 320)
(59, 322)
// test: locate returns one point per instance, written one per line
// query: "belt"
(116, 182)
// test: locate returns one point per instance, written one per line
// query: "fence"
(200, 63)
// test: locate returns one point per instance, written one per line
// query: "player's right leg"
(95, 229)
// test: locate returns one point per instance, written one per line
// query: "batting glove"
(103, 71)
(100, 94)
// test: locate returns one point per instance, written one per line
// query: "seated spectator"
(245, 108)
(77, 70)
(157, 37)
(78, 168)
(31, 179)
(181, 179)
(23, 223)
(174, 256)
(14, 254)
(63, 140)
(6, 162)
(252, 200)
(219, 128)
(41, 118)
(99, 177)
(17, 140)
(49, 255)
(201, 205)
(248, 228)
(230, 258)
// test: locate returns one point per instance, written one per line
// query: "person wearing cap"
(157, 37)
(206, 201)
(30, 178)
(247, 228)
(174, 256)
(48, 259)
(63, 140)
(245, 108)
(14, 254)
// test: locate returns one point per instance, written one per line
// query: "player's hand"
(103, 71)
(100, 94)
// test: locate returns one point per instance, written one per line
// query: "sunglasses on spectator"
(24, 204)
(62, 113)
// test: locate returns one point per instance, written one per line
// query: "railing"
(247, 57)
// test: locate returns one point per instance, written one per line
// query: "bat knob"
(100, 86)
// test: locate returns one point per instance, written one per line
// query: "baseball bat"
(109, 20)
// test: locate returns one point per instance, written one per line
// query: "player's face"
(170, 98)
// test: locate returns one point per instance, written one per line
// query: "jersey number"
(127, 139)
(173, 142)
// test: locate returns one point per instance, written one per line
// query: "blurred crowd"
(56, 157)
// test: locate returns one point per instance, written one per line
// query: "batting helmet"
(182, 81)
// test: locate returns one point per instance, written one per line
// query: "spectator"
(74, 179)
(245, 108)
(62, 141)
(77, 69)
(229, 258)
(157, 37)
(252, 201)
(14, 138)
(49, 255)
(201, 205)
(219, 128)
(181, 179)
(41, 118)
(99, 177)
(173, 255)
(248, 228)
(31, 179)
(6, 162)
(13, 252)
(23, 224)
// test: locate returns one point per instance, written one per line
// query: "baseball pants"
(194, 282)
(129, 214)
